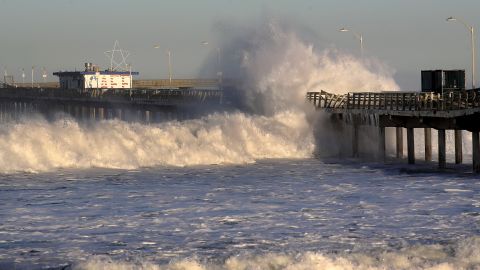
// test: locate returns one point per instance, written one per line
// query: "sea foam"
(462, 255)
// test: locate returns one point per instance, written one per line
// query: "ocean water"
(272, 214)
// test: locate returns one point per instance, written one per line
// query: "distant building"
(93, 78)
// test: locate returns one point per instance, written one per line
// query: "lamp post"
(170, 67)
(23, 77)
(169, 53)
(472, 37)
(33, 68)
(44, 75)
(5, 74)
(357, 35)
(219, 62)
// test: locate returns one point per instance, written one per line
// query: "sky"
(406, 35)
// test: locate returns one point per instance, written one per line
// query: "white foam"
(463, 255)
(37, 145)
(278, 68)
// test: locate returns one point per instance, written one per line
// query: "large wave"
(276, 68)
(39, 145)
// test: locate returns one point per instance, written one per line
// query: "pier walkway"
(453, 110)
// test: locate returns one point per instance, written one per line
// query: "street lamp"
(358, 36)
(44, 75)
(169, 53)
(33, 68)
(23, 77)
(472, 36)
(219, 61)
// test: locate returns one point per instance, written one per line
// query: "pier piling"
(381, 143)
(476, 151)
(442, 161)
(101, 113)
(428, 143)
(147, 117)
(399, 133)
(458, 147)
(355, 128)
(411, 145)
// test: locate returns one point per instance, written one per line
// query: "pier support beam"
(92, 113)
(399, 133)
(101, 113)
(428, 144)
(411, 146)
(476, 151)
(458, 147)
(147, 117)
(355, 128)
(119, 114)
(381, 143)
(77, 112)
(442, 150)
(85, 113)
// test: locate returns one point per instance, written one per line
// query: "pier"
(111, 93)
(146, 105)
(449, 110)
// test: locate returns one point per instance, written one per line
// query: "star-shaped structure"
(118, 58)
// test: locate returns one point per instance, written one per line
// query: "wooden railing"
(397, 101)
(176, 83)
(138, 96)
(141, 84)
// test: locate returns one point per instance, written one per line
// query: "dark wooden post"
(119, 114)
(411, 146)
(147, 117)
(458, 147)
(101, 113)
(355, 128)
(428, 144)
(476, 151)
(381, 143)
(442, 161)
(399, 132)
(92, 113)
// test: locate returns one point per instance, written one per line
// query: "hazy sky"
(408, 35)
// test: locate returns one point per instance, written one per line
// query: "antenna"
(120, 64)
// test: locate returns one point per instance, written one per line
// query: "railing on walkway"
(134, 96)
(397, 101)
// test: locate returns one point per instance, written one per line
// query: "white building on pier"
(93, 78)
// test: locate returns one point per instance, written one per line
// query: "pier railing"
(124, 96)
(397, 101)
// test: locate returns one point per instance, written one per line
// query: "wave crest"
(39, 145)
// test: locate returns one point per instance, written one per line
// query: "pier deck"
(153, 97)
(455, 110)
(145, 105)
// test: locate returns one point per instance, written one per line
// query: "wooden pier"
(454, 110)
(101, 104)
